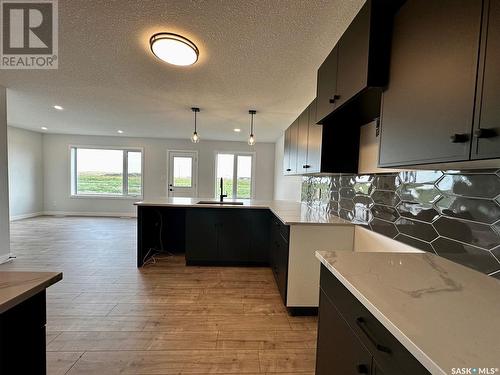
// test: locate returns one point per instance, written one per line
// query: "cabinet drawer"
(388, 352)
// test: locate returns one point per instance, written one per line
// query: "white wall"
(25, 173)
(57, 170)
(4, 181)
(285, 187)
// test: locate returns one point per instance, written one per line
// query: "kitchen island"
(22, 321)
(388, 313)
(279, 234)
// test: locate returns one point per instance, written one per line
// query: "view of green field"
(107, 183)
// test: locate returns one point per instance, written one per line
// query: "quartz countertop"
(288, 212)
(445, 314)
(17, 287)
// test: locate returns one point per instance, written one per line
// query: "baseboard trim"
(26, 216)
(95, 214)
(5, 258)
(302, 311)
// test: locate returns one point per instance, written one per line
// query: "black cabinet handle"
(485, 133)
(362, 369)
(305, 166)
(363, 326)
(459, 138)
(288, 170)
(334, 99)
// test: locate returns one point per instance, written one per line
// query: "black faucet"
(222, 195)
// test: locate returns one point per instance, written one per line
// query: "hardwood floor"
(108, 317)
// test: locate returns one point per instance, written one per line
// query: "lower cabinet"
(227, 236)
(339, 350)
(352, 341)
(278, 255)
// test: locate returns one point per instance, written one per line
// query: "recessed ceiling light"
(237, 130)
(58, 107)
(44, 128)
(174, 49)
(120, 131)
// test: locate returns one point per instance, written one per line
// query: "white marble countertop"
(446, 315)
(290, 213)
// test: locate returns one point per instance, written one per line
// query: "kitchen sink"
(222, 203)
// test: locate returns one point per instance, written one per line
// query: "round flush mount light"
(119, 131)
(58, 107)
(174, 49)
(237, 130)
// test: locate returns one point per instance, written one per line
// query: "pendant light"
(195, 138)
(251, 139)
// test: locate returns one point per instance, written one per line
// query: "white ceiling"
(259, 54)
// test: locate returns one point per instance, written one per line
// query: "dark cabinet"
(302, 141)
(428, 107)
(358, 63)
(339, 350)
(486, 137)
(278, 256)
(314, 141)
(227, 236)
(290, 151)
(387, 355)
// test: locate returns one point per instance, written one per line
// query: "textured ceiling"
(260, 54)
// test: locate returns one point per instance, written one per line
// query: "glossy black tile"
(420, 177)
(496, 275)
(363, 200)
(334, 195)
(498, 200)
(385, 212)
(421, 245)
(387, 182)
(362, 215)
(416, 229)
(334, 206)
(497, 227)
(419, 211)
(346, 204)
(496, 252)
(476, 234)
(471, 185)
(347, 192)
(478, 259)
(388, 198)
(481, 210)
(384, 227)
(346, 215)
(347, 181)
(363, 188)
(420, 193)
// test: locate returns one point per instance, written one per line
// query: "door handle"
(459, 138)
(364, 328)
(485, 133)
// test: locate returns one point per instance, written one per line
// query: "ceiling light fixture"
(174, 49)
(251, 139)
(44, 128)
(58, 107)
(237, 130)
(195, 138)
(120, 131)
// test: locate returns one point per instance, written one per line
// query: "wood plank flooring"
(108, 317)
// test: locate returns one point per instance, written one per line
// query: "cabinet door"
(286, 152)
(201, 235)
(260, 236)
(234, 235)
(486, 142)
(314, 142)
(327, 85)
(339, 350)
(428, 107)
(302, 141)
(352, 73)
(294, 135)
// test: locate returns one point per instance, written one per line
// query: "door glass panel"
(244, 178)
(183, 171)
(134, 173)
(99, 171)
(225, 170)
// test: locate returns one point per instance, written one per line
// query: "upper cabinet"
(359, 61)
(290, 151)
(486, 137)
(428, 107)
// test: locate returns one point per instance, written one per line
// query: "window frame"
(235, 172)
(73, 172)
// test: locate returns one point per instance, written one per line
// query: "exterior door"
(182, 173)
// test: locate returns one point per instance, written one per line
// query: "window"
(106, 172)
(183, 169)
(236, 169)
